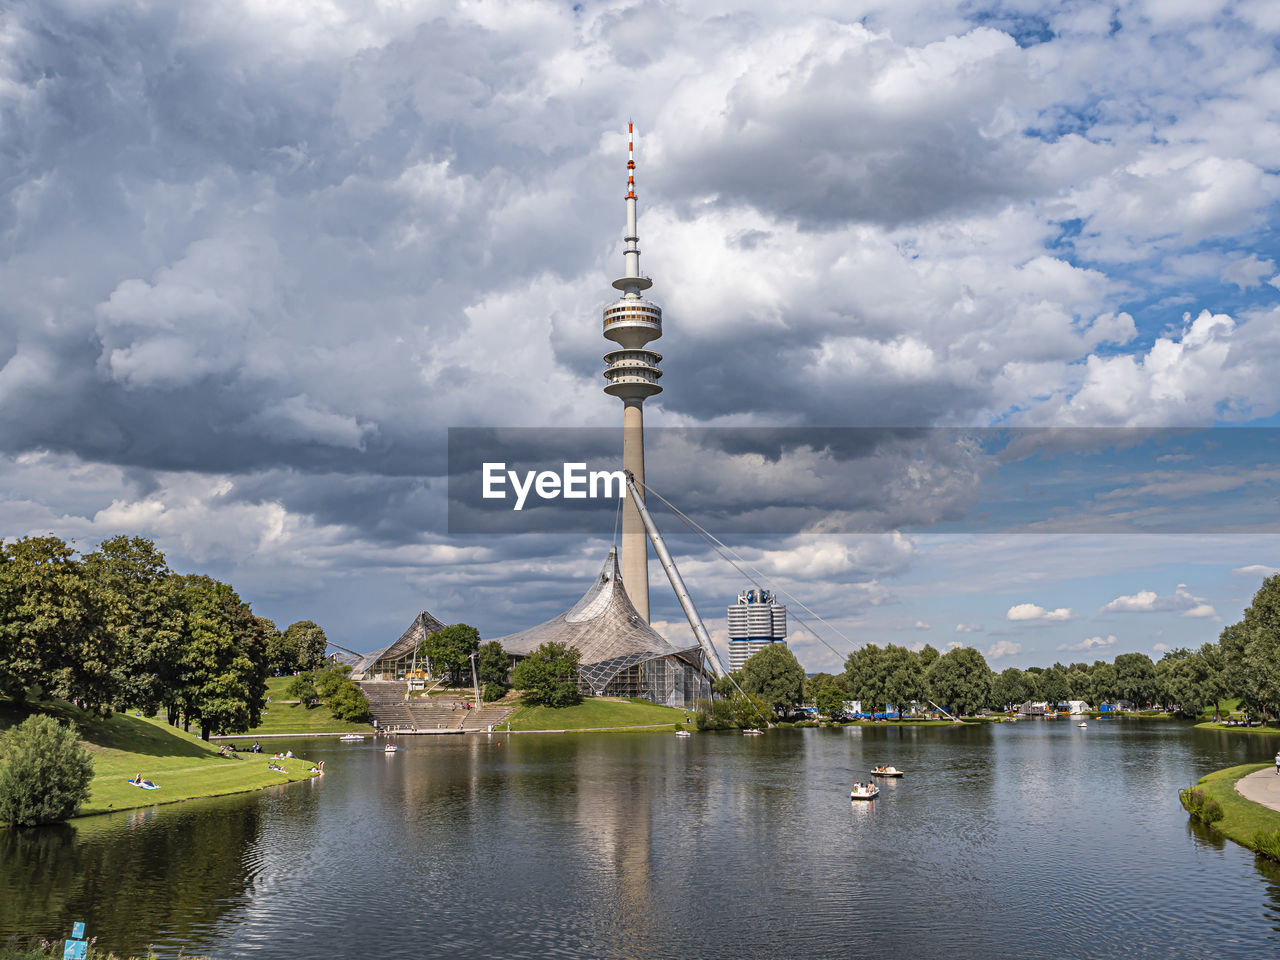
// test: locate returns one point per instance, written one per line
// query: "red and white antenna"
(631, 161)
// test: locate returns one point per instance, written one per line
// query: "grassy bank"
(1241, 819)
(1271, 729)
(185, 767)
(597, 713)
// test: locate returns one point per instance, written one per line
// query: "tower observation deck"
(632, 372)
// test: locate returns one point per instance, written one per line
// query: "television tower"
(631, 322)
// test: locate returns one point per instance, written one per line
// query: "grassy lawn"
(185, 767)
(282, 716)
(295, 718)
(595, 712)
(1241, 818)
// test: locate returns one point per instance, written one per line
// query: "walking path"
(1262, 787)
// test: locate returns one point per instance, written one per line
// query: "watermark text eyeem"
(573, 482)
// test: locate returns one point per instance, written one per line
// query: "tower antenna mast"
(632, 374)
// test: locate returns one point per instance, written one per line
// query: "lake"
(1010, 840)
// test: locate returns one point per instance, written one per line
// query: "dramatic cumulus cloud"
(1033, 613)
(1182, 601)
(257, 257)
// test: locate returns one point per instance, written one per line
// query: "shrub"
(44, 772)
(349, 703)
(493, 691)
(1205, 809)
(1267, 844)
(548, 676)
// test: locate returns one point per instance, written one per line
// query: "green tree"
(549, 675)
(1053, 686)
(493, 664)
(775, 675)
(736, 711)
(828, 693)
(904, 679)
(1215, 676)
(450, 649)
(1182, 681)
(865, 676)
(961, 680)
(729, 684)
(222, 662)
(44, 772)
(928, 656)
(1232, 642)
(331, 679)
(303, 689)
(49, 634)
(139, 611)
(1103, 685)
(1136, 678)
(281, 651)
(1262, 659)
(1011, 688)
(307, 642)
(348, 702)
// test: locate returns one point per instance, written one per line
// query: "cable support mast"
(677, 582)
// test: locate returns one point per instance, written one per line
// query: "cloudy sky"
(258, 256)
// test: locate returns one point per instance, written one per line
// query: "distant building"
(755, 621)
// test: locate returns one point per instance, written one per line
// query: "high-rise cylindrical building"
(632, 371)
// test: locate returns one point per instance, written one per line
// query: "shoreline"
(1243, 819)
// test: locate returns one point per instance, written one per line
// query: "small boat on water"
(350, 737)
(683, 733)
(864, 791)
(752, 732)
(1081, 724)
(881, 770)
(390, 748)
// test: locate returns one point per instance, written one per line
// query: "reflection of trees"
(171, 872)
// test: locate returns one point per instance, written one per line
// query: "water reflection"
(132, 876)
(1006, 840)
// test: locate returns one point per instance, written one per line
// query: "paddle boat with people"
(883, 770)
(390, 748)
(350, 738)
(683, 733)
(752, 732)
(864, 791)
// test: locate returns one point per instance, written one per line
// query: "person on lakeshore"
(1278, 763)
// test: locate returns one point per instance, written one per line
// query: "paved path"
(1262, 787)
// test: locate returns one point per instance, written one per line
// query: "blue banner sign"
(75, 950)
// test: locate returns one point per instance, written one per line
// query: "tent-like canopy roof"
(423, 625)
(605, 628)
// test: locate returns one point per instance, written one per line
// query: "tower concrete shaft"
(632, 373)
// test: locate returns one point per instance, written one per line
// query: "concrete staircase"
(387, 704)
(490, 714)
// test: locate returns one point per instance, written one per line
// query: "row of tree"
(117, 629)
(1244, 663)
